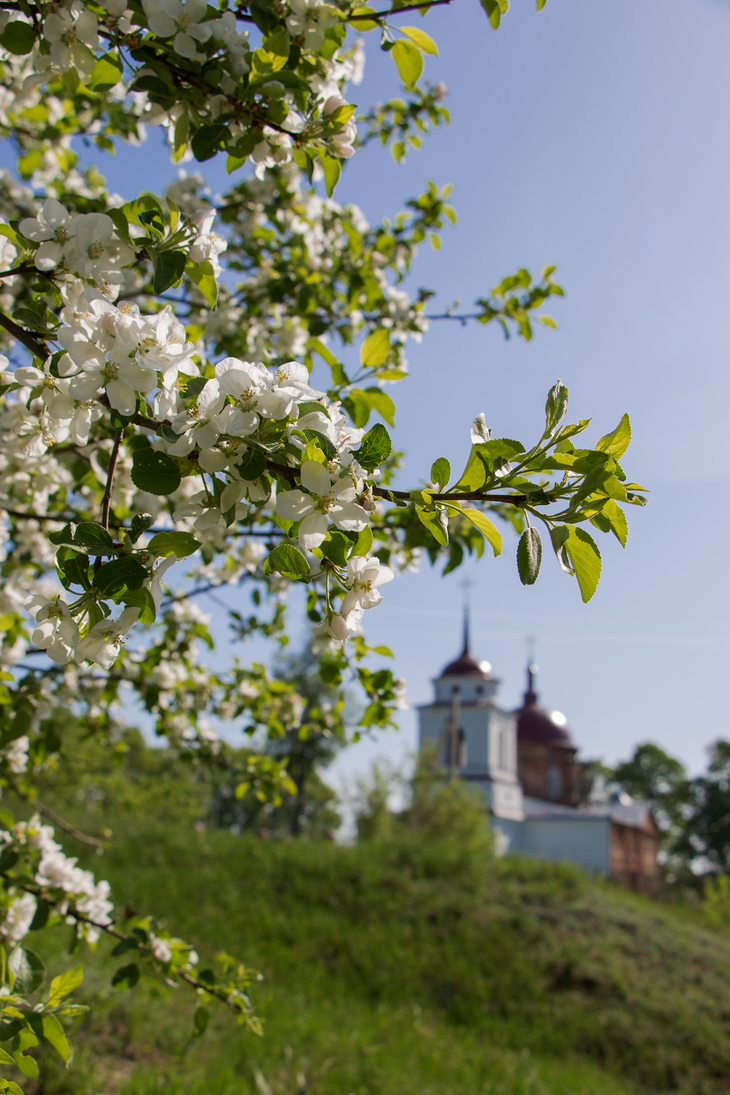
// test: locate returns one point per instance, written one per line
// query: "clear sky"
(595, 135)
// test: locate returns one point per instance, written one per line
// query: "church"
(525, 764)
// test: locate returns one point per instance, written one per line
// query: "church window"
(554, 783)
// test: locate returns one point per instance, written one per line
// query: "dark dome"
(535, 723)
(466, 666)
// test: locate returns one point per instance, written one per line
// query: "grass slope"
(406, 969)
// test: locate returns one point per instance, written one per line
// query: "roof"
(635, 814)
(535, 723)
(465, 665)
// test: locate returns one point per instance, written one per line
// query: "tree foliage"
(203, 393)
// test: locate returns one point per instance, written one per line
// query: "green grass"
(404, 969)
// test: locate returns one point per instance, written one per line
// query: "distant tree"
(313, 743)
(707, 831)
(373, 816)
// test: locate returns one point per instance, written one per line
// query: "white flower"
(57, 632)
(311, 18)
(121, 382)
(93, 251)
(207, 245)
(16, 754)
(70, 35)
(19, 918)
(327, 500)
(160, 948)
(154, 585)
(50, 229)
(168, 17)
(364, 575)
(199, 425)
(344, 140)
(338, 629)
(105, 639)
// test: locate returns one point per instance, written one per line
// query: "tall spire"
(466, 631)
(466, 585)
(532, 671)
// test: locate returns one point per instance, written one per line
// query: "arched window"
(554, 783)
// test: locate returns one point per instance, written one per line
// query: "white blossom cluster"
(76, 889)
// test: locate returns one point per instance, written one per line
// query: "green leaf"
(142, 599)
(556, 407)
(441, 472)
(54, 1033)
(18, 38)
(495, 9)
(113, 577)
(252, 465)
(140, 523)
(617, 442)
(529, 556)
(336, 548)
(422, 40)
(361, 25)
(126, 977)
(42, 912)
(478, 467)
(381, 402)
(364, 542)
(107, 72)
(75, 567)
(613, 519)
(94, 537)
(208, 140)
(288, 561)
(358, 407)
(64, 984)
(323, 442)
(408, 59)
(541, 4)
(375, 349)
(28, 970)
(155, 472)
(436, 521)
(374, 448)
(200, 1021)
(27, 1065)
(203, 278)
(169, 268)
(181, 544)
(486, 527)
(332, 171)
(579, 550)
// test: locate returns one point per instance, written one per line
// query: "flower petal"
(315, 477)
(350, 517)
(313, 531)
(295, 504)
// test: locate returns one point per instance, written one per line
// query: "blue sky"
(595, 135)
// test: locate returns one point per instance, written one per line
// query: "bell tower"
(474, 737)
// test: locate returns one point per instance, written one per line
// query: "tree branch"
(394, 11)
(39, 349)
(107, 499)
(26, 268)
(54, 817)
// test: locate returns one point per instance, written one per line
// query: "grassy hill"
(406, 968)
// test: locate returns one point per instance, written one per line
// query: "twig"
(37, 348)
(53, 816)
(107, 499)
(26, 268)
(394, 11)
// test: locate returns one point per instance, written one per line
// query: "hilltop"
(407, 967)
